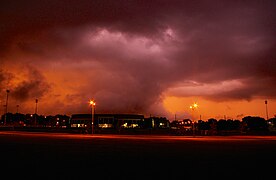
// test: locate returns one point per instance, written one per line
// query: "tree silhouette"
(255, 123)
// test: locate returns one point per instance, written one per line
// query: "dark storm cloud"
(33, 87)
(5, 78)
(2, 77)
(148, 46)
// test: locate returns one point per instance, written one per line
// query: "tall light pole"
(17, 113)
(36, 101)
(17, 107)
(8, 91)
(92, 103)
(193, 107)
(266, 109)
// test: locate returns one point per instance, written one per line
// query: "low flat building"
(107, 121)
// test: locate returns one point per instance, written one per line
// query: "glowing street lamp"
(193, 107)
(93, 104)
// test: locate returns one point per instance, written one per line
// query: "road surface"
(39, 155)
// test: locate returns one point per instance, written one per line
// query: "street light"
(36, 101)
(92, 103)
(6, 106)
(193, 107)
(17, 106)
(266, 109)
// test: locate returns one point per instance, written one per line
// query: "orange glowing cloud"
(130, 62)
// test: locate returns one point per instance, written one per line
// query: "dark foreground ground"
(26, 155)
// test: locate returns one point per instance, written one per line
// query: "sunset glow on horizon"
(147, 57)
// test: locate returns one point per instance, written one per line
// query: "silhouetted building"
(115, 122)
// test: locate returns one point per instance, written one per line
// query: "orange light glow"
(218, 110)
(92, 103)
(194, 106)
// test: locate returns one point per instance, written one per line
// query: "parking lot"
(77, 156)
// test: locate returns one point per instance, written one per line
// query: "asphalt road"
(26, 155)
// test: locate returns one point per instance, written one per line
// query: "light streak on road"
(140, 137)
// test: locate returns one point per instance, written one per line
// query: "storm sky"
(143, 56)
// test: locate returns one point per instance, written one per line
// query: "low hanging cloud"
(129, 55)
(33, 87)
(23, 87)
